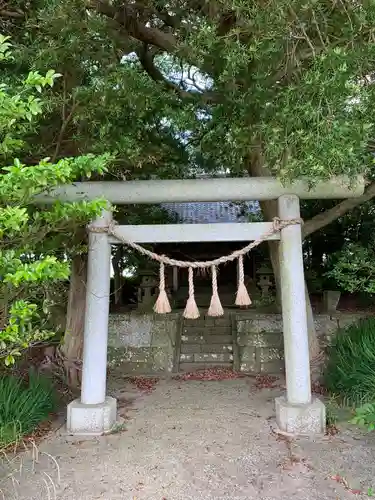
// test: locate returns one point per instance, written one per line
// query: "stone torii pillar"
(296, 412)
(95, 413)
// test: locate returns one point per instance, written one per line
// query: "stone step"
(206, 357)
(209, 330)
(192, 367)
(213, 348)
(207, 322)
(206, 339)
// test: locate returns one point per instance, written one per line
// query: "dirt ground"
(191, 440)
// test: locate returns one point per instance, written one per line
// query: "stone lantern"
(147, 290)
(264, 280)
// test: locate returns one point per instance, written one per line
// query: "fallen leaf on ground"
(210, 374)
(266, 382)
(145, 384)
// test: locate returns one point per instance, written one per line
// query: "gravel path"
(193, 441)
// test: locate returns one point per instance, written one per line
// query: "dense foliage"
(365, 416)
(34, 241)
(353, 268)
(287, 82)
(350, 371)
(233, 86)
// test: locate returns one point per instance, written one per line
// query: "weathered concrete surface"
(92, 420)
(260, 338)
(199, 441)
(142, 343)
(145, 343)
(301, 419)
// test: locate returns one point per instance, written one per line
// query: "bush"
(23, 405)
(350, 370)
(365, 416)
(33, 257)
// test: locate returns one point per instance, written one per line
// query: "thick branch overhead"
(339, 210)
(130, 18)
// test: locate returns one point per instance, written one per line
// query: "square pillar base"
(308, 419)
(91, 420)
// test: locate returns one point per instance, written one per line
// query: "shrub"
(23, 405)
(350, 370)
(365, 416)
(34, 257)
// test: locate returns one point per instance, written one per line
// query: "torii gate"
(297, 412)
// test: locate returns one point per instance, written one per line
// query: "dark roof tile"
(211, 212)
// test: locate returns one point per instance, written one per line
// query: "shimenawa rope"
(162, 305)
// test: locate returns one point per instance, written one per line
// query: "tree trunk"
(4, 304)
(72, 345)
(117, 278)
(269, 209)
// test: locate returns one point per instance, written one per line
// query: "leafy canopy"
(353, 268)
(232, 85)
(220, 84)
(27, 269)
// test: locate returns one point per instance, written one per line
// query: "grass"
(27, 470)
(331, 414)
(350, 370)
(23, 406)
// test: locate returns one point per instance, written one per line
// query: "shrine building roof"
(211, 212)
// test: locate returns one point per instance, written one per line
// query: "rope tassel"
(215, 306)
(162, 305)
(242, 297)
(191, 309)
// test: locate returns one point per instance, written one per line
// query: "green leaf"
(9, 360)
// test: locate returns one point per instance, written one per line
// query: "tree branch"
(146, 58)
(16, 14)
(65, 123)
(328, 216)
(128, 17)
(256, 168)
(138, 22)
(132, 19)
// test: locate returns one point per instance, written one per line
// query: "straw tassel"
(191, 309)
(162, 305)
(215, 306)
(242, 297)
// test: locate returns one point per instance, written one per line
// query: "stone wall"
(142, 343)
(260, 342)
(146, 343)
(260, 339)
